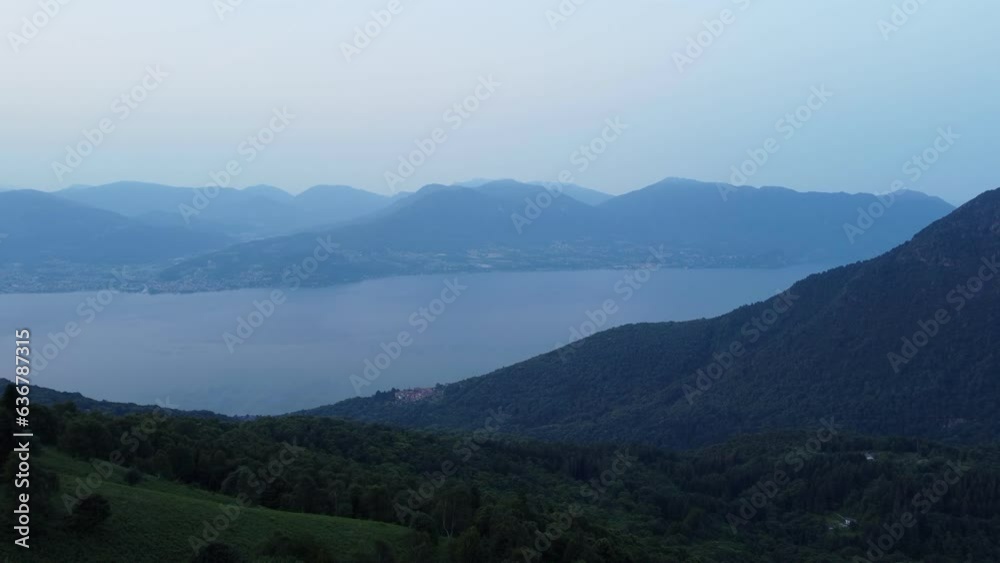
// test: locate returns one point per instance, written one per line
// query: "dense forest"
(818, 495)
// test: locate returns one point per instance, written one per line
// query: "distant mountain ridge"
(803, 226)
(579, 193)
(508, 225)
(41, 227)
(49, 397)
(253, 212)
(500, 225)
(906, 343)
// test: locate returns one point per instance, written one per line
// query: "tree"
(455, 509)
(89, 513)
(133, 476)
(466, 548)
(85, 437)
(379, 552)
(217, 552)
(304, 548)
(44, 487)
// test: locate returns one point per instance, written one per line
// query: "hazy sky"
(559, 81)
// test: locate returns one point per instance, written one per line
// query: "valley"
(500, 282)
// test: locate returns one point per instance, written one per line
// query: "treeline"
(481, 498)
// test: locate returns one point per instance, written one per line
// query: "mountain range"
(802, 419)
(507, 225)
(903, 344)
(43, 228)
(253, 212)
(185, 239)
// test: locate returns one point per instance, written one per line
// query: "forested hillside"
(904, 344)
(144, 487)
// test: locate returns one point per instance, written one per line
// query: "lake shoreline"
(250, 351)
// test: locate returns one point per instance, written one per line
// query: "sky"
(291, 93)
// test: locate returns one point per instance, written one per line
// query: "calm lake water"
(145, 348)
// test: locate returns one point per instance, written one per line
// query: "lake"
(258, 352)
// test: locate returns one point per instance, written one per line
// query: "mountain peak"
(678, 182)
(973, 227)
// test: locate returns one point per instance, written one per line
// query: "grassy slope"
(153, 521)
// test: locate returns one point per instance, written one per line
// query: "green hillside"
(325, 490)
(156, 519)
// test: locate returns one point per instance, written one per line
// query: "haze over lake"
(143, 348)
